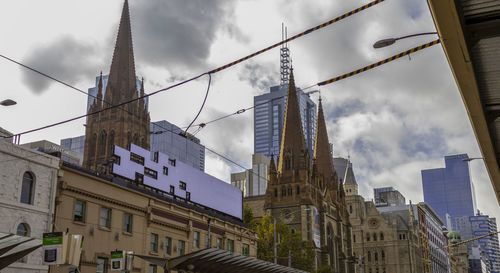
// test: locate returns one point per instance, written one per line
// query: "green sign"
(52, 238)
(116, 254)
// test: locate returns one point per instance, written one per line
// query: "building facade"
(75, 144)
(253, 182)
(308, 197)
(388, 196)
(48, 147)
(458, 254)
(269, 115)
(27, 196)
(122, 125)
(117, 213)
(450, 190)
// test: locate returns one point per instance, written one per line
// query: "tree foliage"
(248, 217)
(302, 253)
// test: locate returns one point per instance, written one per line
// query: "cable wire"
(203, 104)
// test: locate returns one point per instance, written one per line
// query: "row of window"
(79, 215)
(287, 191)
(373, 236)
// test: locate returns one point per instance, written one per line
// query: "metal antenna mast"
(284, 57)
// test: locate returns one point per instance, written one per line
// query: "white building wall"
(14, 162)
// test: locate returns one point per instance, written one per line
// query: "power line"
(345, 15)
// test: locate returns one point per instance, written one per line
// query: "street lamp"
(390, 41)
(8, 102)
(275, 249)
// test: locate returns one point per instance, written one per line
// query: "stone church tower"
(308, 197)
(121, 125)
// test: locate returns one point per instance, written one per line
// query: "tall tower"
(122, 125)
(350, 184)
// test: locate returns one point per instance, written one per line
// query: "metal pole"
(209, 245)
(289, 258)
(275, 250)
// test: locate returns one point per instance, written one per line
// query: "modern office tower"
(479, 225)
(388, 196)
(340, 165)
(253, 182)
(75, 144)
(450, 189)
(268, 120)
(170, 140)
(165, 138)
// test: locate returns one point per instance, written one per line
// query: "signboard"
(52, 248)
(315, 227)
(117, 260)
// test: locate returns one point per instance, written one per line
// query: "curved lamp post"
(390, 41)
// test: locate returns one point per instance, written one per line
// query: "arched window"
(287, 164)
(298, 190)
(111, 142)
(28, 188)
(368, 237)
(350, 208)
(289, 191)
(92, 146)
(374, 236)
(369, 256)
(381, 236)
(283, 191)
(375, 256)
(383, 255)
(102, 142)
(23, 230)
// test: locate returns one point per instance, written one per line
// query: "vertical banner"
(52, 248)
(117, 260)
(315, 227)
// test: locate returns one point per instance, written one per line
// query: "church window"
(275, 192)
(350, 208)
(112, 142)
(354, 239)
(102, 142)
(381, 236)
(375, 257)
(92, 146)
(374, 236)
(298, 190)
(369, 256)
(283, 191)
(287, 164)
(290, 191)
(367, 237)
(383, 255)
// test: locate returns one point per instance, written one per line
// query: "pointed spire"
(99, 91)
(271, 175)
(122, 73)
(349, 177)
(293, 144)
(322, 154)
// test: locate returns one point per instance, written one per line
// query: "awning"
(218, 260)
(14, 247)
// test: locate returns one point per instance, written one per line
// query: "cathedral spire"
(293, 145)
(322, 155)
(122, 73)
(99, 91)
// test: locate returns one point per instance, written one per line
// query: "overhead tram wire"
(343, 16)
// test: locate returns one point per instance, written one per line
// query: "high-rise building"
(308, 197)
(122, 125)
(253, 182)
(75, 144)
(388, 196)
(269, 114)
(450, 189)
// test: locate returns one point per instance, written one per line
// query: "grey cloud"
(66, 59)
(177, 34)
(259, 76)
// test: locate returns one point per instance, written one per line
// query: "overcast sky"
(393, 121)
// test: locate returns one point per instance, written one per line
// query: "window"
(153, 242)
(230, 245)
(127, 222)
(182, 185)
(152, 268)
(172, 190)
(188, 196)
(102, 265)
(156, 156)
(151, 173)
(283, 191)
(369, 256)
(79, 211)
(139, 178)
(245, 250)
(105, 217)
(298, 190)
(376, 256)
(289, 191)
(136, 158)
(196, 239)
(171, 162)
(367, 237)
(168, 245)
(181, 248)
(207, 241)
(23, 230)
(381, 236)
(383, 255)
(350, 208)
(374, 236)
(353, 238)
(27, 188)
(275, 192)
(165, 170)
(287, 164)
(219, 243)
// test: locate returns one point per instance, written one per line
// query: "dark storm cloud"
(66, 59)
(259, 76)
(177, 34)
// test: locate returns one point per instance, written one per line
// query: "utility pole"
(275, 250)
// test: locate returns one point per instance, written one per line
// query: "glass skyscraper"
(450, 190)
(269, 113)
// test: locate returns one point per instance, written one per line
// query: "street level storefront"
(217, 260)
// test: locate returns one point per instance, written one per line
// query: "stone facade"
(153, 215)
(384, 242)
(35, 212)
(121, 125)
(308, 197)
